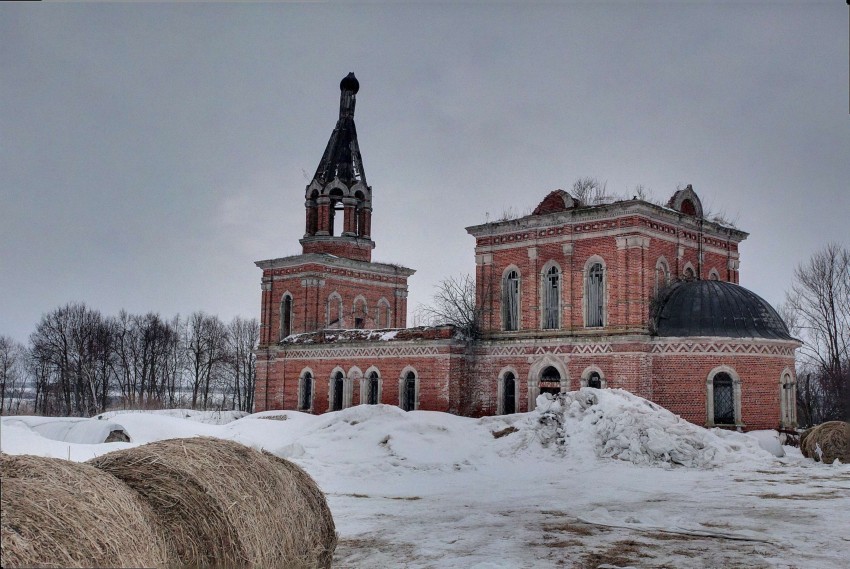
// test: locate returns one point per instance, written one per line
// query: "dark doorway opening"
(550, 381)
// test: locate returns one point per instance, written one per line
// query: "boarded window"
(307, 392)
(286, 317)
(552, 299)
(662, 275)
(338, 385)
(510, 301)
(409, 392)
(509, 394)
(595, 296)
(724, 400)
(372, 394)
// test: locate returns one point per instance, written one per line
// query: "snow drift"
(71, 430)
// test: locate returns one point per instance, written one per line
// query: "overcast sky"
(151, 153)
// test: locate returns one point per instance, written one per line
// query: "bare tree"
(206, 354)
(454, 303)
(817, 309)
(11, 373)
(590, 191)
(242, 337)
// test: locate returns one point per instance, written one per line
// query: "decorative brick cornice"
(337, 262)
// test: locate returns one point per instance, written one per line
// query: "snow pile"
(614, 423)
(66, 429)
(206, 417)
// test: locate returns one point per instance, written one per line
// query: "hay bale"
(57, 513)
(827, 442)
(222, 503)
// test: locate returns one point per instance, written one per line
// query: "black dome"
(349, 83)
(716, 308)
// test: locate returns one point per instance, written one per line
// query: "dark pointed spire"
(342, 155)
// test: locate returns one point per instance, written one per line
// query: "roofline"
(618, 208)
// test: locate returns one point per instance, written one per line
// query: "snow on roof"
(443, 332)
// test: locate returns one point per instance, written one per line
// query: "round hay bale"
(827, 442)
(222, 503)
(57, 513)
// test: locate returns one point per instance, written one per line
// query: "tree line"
(79, 362)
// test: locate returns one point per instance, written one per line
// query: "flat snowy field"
(604, 480)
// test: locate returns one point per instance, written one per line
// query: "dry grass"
(57, 513)
(827, 442)
(221, 503)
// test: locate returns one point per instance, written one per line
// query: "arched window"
(338, 385)
(724, 400)
(334, 311)
(723, 397)
(510, 300)
(594, 380)
(788, 401)
(372, 387)
(285, 316)
(688, 207)
(408, 391)
(306, 399)
(509, 394)
(689, 274)
(713, 275)
(552, 299)
(662, 274)
(595, 296)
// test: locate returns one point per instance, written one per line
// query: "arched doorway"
(338, 385)
(550, 381)
(509, 394)
(409, 392)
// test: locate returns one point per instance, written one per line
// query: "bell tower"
(338, 200)
(333, 283)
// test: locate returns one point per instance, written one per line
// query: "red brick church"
(628, 294)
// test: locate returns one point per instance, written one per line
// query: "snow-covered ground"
(598, 481)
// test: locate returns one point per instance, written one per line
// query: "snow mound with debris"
(613, 423)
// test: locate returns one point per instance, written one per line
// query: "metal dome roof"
(716, 308)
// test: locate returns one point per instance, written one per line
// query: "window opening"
(724, 400)
(510, 301)
(595, 295)
(286, 317)
(307, 392)
(551, 299)
(372, 396)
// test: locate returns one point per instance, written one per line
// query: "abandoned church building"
(628, 294)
